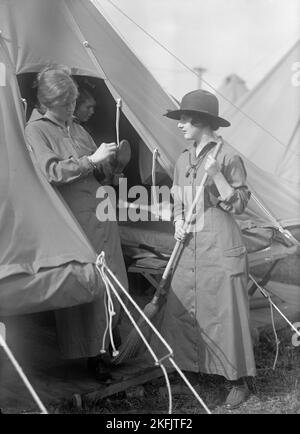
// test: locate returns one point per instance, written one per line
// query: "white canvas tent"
(232, 89)
(39, 32)
(266, 131)
(46, 262)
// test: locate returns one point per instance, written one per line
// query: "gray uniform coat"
(61, 155)
(206, 319)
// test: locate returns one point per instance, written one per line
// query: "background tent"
(266, 131)
(232, 89)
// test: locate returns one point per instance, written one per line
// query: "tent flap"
(37, 230)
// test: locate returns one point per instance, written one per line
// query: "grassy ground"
(274, 391)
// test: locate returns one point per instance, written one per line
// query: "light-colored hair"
(56, 86)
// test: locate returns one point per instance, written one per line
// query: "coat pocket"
(235, 260)
(235, 251)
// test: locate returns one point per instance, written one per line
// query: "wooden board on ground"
(33, 343)
(32, 338)
(136, 378)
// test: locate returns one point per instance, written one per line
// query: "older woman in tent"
(206, 320)
(67, 156)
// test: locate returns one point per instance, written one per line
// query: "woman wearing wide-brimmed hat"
(206, 320)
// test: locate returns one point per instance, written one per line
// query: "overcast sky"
(246, 37)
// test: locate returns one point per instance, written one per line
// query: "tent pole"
(22, 375)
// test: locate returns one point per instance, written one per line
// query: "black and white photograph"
(149, 209)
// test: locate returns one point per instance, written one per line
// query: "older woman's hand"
(180, 233)
(211, 166)
(104, 151)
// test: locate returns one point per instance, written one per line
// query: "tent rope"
(204, 81)
(107, 273)
(272, 306)
(267, 295)
(25, 104)
(102, 350)
(118, 107)
(22, 375)
(277, 341)
(102, 268)
(153, 188)
(109, 310)
(101, 264)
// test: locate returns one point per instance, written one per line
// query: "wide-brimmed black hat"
(200, 102)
